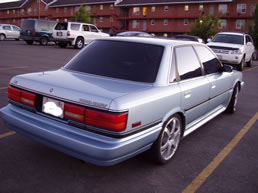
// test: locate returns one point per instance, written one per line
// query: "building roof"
(61, 3)
(19, 4)
(156, 2)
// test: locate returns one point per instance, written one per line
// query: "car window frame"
(204, 73)
(178, 79)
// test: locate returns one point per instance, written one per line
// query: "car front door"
(249, 48)
(8, 31)
(220, 82)
(95, 32)
(86, 33)
(194, 86)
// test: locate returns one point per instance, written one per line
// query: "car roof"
(152, 40)
(233, 33)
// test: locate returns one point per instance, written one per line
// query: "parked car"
(9, 32)
(134, 33)
(34, 30)
(189, 38)
(122, 96)
(233, 48)
(76, 34)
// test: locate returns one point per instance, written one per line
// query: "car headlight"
(236, 52)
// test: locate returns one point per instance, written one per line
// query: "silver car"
(122, 96)
(9, 32)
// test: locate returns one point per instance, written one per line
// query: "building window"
(135, 24)
(100, 19)
(223, 8)
(65, 20)
(13, 20)
(241, 8)
(77, 8)
(136, 11)
(153, 22)
(165, 22)
(57, 10)
(201, 7)
(7, 12)
(240, 24)
(223, 24)
(186, 8)
(65, 9)
(46, 8)
(71, 11)
(166, 8)
(101, 7)
(22, 11)
(14, 11)
(88, 8)
(252, 9)
(34, 11)
(153, 9)
(211, 10)
(29, 10)
(111, 6)
(111, 19)
(57, 20)
(186, 21)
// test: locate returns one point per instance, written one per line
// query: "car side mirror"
(249, 44)
(208, 40)
(227, 68)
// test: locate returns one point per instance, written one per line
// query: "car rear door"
(194, 86)
(220, 83)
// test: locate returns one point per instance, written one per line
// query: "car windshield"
(228, 38)
(117, 59)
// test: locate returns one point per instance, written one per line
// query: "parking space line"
(7, 134)
(3, 88)
(201, 178)
(14, 67)
(250, 69)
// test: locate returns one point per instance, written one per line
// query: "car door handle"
(188, 94)
(213, 86)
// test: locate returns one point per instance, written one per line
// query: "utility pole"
(38, 9)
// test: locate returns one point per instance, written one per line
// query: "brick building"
(162, 17)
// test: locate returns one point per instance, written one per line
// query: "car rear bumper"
(88, 146)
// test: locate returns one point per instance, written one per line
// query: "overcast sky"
(3, 1)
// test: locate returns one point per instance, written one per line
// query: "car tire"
(43, 41)
(249, 64)
(30, 42)
(233, 101)
(17, 39)
(79, 44)
(164, 148)
(241, 65)
(2, 37)
(62, 45)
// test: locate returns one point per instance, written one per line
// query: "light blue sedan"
(122, 96)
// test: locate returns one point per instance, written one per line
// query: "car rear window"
(28, 24)
(117, 59)
(61, 26)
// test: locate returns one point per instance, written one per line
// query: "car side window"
(16, 28)
(86, 28)
(188, 65)
(93, 29)
(75, 27)
(210, 63)
(6, 27)
(248, 39)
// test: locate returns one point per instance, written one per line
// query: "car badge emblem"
(51, 90)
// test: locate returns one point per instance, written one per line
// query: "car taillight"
(28, 98)
(14, 94)
(21, 96)
(68, 33)
(34, 32)
(74, 112)
(110, 121)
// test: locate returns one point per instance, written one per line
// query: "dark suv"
(37, 30)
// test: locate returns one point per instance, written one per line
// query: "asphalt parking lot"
(220, 157)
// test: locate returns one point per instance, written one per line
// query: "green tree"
(205, 27)
(81, 15)
(253, 27)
